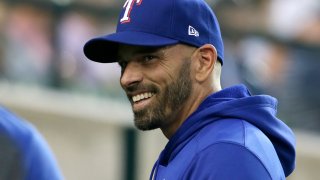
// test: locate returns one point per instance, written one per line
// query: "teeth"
(142, 96)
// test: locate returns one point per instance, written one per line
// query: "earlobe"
(206, 59)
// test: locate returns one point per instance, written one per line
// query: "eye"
(148, 58)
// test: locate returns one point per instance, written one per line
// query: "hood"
(237, 102)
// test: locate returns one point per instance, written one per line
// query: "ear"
(205, 59)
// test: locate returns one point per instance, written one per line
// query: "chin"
(145, 128)
(146, 125)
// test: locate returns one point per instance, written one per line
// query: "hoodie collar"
(236, 102)
(193, 124)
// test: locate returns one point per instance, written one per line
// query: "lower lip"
(141, 104)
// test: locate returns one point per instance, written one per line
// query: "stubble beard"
(167, 103)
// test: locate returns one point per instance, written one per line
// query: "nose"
(131, 75)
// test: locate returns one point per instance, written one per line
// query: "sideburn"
(181, 90)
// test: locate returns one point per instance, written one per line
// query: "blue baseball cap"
(159, 23)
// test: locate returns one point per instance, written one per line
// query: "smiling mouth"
(139, 97)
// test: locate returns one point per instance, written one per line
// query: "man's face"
(157, 82)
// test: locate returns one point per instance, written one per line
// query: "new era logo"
(193, 32)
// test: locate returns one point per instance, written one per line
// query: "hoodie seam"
(245, 124)
(226, 142)
(244, 133)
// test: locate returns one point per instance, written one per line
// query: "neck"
(190, 106)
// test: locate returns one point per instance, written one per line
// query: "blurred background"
(272, 46)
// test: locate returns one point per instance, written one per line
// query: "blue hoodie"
(232, 135)
(24, 153)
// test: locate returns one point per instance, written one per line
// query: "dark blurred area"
(271, 46)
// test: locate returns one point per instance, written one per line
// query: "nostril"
(132, 87)
(130, 76)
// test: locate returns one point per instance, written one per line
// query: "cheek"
(163, 80)
(162, 75)
(169, 72)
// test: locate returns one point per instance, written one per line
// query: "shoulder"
(12, 125)
(234, 131)
(234, 146)
(226, 130)
(226, 160)
(18, 130)
(34, 154)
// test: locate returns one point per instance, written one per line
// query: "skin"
(179, 77)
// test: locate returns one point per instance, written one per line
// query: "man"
(24, 154)
(171, 54)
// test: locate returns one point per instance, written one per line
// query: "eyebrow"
(146, 50)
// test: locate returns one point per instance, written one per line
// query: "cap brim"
(104, 49)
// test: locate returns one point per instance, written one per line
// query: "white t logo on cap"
(128, 5)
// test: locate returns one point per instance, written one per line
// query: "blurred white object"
(287, 18)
